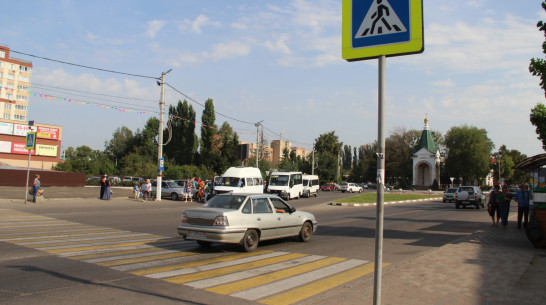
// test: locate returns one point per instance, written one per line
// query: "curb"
(373, 204)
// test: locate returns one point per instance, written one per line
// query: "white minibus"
(310, 185)
(239, 179)
(286, 185)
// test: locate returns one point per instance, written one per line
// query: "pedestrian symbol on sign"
(381, 19)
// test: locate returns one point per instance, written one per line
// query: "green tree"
(184, 141)
(347, 157)
(83, 159)
(537, 67)
(469, 153)
(328, 149)
(228, 143)
(538, 119)
(146, 140)
(121, 144)
(209, 155)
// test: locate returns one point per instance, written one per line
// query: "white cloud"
(446, 83)
(153, 27)
(228, 50)
(279, 45)
(197, 24)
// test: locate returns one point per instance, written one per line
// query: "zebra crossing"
(264, 276)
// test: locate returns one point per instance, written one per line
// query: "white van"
(310, 185)
(239, 179)
(286, 185)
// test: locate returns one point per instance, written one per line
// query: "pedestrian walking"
(35, 187)
(107, 189)
(146, 189)
(503, 200)
(522, 198)
(493, 206)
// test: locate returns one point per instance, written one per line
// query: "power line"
(83, 66)
(191, 99)
(67, 89)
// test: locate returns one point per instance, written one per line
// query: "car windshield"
(305, 182)
(228, 181)
(279, 180)
(231, 202)
(451, 190)
(172, 184)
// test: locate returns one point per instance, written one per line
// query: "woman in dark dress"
(102, 186)
(107, 190)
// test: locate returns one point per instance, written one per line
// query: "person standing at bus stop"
(522, 198)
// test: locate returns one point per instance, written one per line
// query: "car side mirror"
(292, 209)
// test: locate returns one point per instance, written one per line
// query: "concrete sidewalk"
(491, 266)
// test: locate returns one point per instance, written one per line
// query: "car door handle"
(259, 219)
(278, 218)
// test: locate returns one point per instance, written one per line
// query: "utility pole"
(257, 141)
(160, 137)
(313, 160)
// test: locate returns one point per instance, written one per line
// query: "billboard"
(5, 147)
(21, 130)
(46, 150)
(6, 128)
(19, 148)
(48, 133)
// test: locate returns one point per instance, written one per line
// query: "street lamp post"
(160, 137)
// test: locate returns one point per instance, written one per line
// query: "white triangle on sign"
(381, 19)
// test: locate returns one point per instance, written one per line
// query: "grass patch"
(372, 198)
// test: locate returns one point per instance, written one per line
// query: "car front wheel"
(174, 196)
(306, 232)
(250, 240)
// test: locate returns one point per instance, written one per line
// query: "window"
(24, 78)
(7, 106)
(1, 73)
(13, 66)
(1, 63)
(25, 69)
(9, 86)
(21, 107)
(22, 97)
(9, 96)
(11, 76)
(261, 205)
(6, 116)
(20, 117)
(3, 54)
(22, 87)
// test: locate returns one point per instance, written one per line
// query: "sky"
(278, 63)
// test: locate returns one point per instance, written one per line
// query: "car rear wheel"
(174, 196)
(477, 206)
(457, 205)
(306, 232)
(250, 240)
(350, 190)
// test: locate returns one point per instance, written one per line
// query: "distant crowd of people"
(499, 205)
(201, 188)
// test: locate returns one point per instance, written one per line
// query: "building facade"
(13, 153)
(15, 77)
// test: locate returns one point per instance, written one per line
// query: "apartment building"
(15, 77)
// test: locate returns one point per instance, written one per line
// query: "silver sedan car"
(245, 219)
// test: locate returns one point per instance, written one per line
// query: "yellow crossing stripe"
(137, 243)
(144, 259)
(198, 263)
(226, 270)
(83, 242)
(319, 286)
(37, 235)
(274, 276)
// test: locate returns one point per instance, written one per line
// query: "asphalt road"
(31, 276)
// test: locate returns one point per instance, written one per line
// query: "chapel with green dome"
(426, 160)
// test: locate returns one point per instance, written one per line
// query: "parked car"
(310, 185)
(469, 195)
(351, 187)
(245, 219)
(182, 184)
(327, 187)
(449, 195)
(169, 189)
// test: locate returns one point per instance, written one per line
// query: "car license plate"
(196, 235)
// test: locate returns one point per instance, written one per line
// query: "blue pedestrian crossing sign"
(372, 28)
(31, 140)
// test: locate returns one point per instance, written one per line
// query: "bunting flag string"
(52, 97)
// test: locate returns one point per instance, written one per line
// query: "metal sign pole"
(380, 182)
(28, 173)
